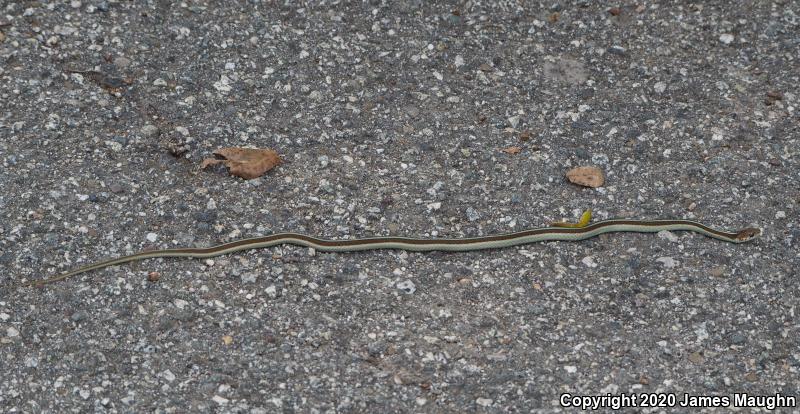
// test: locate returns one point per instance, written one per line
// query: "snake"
(558, 231)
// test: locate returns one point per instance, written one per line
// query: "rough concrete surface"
(392, 118)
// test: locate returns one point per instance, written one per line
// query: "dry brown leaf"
(586, 176)
(512, 150)
(227, 339)
(247, 163)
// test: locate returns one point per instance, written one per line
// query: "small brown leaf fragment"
(227, 339)
(525, 135)
(512, 150)
(553, 17)
(586, 176)
(696, 358)
(615, 11)
(775, 95)
(640, 8)
(153, 276)
(247, 163)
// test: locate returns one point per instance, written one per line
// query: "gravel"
(391, 118)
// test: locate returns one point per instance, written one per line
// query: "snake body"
(559, 231)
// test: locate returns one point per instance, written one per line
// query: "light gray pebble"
(249, 277)
(150, 131)
(472, 214)
(78, 316)
(616, 50)
(412, 111)
(407, 286)
(122, 62)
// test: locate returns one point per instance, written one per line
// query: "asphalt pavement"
(409, 118)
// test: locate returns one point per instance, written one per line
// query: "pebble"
(472, 214)
(668, 235)
(78, 316)
(737, 338)
(168, 375)
(616, 50)
(668, 262)
(122, 62)
(223, 84)
(726, 38)
(151, 237)
(150, 131)
(116, 188)
(484, 402)
(271, 290)
(249, 277)
(588, 261)
(120, 140)
(407, 286)
(412, 111)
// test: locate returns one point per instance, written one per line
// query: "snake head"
(747, 234)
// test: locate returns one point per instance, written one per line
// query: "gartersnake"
(558, 231)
